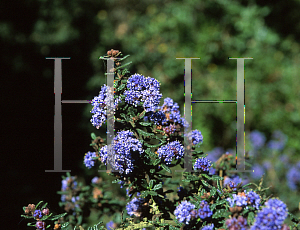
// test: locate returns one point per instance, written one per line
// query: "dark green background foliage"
(154, 33)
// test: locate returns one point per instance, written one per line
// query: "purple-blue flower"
(195, 137)
(293, 177)
(204, 210)
(257, 139)
(88, 159)
(202, 164)
(100, 105)
(134, 207)
(279, 142)
(95, 180)
(239, 223)
(144, 90)
(125, 145)
(158, 117)
(258, 171)
(183, 212)
(271, 217)
(254, 199)
(169, 151)
(214, 155)
(40, 225)
(237, 200)
(232, 182)
(38, 214)
(110, 225)
(208, 227)
(172, 112)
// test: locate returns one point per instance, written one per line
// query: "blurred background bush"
(154, 33)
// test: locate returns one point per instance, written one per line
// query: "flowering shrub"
(148, 143)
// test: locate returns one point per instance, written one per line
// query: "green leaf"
(166, 168)
(124, 81)
(213, 191)
(152, 170)
(156, 162)
(37, 206)
(123, 115)
(153, 146)
(206, 184)
(149, 152)
(219, 202)
(206, 176)
(152, 193)
(93, 136)
(58, 216)
(215, 177)
(157, 186)
(121, 87)
(120, 67)
(146, 134)
(220, 213)
(146, 123)
(150, 184)
(123, 58)
(250, 218)
(144, 193)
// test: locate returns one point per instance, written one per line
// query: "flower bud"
(45, 211)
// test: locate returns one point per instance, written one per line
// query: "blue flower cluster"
(89, 160)
(183, 212)
(208, 227)
(68, 183)
(100, 107)
(169, 129)
(239, 223)
(279, 142)
(172, 112)
(125, 145)
(293, 176)
(257, 139)
(253, 199)
(158, 117)
(169, 151)
(271, 217)
(143, 89)
(203, 164)
(204, 210)
(38, 214)
(237, 200)
(134, 207)
(232, 182)
(195, 137)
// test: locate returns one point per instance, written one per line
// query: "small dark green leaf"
(153, 146)
(157, 186)
(250, 218)
(121, 87)
(93, 136)
(206, 184)
(146, 123)
(150, 184)
(146, 134)
(152, 193)
(166, 168)
(156, 162)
